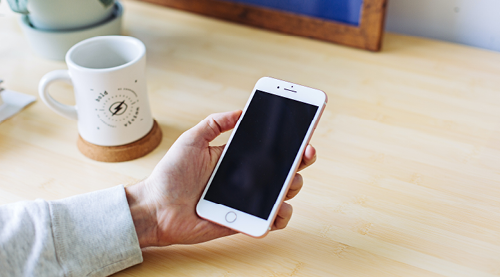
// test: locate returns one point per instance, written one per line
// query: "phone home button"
(230, 217)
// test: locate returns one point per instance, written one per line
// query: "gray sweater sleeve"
(85, 235)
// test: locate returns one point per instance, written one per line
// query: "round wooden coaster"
(125, 152)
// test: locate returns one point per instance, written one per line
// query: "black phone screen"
(261, 153)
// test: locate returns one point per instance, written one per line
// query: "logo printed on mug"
(108, 76)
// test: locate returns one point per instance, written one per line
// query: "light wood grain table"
(407, 181)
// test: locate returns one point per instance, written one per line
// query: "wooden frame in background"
(368, 35)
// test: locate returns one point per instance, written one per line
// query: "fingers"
(212, 126)
(297, 182)
(283, 217)
(308, 158)
(218, 231)
(286, 210)
(295, 186)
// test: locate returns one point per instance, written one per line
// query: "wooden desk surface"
(407, 181)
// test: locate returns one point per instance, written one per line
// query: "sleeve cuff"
(94, 233)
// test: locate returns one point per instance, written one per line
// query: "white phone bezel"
(247, 223)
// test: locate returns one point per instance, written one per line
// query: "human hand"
(163, 206)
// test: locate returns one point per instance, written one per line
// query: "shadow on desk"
(240, 255)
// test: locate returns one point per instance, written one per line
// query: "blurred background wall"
(471, 22)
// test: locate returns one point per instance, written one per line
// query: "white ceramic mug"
(109, 80)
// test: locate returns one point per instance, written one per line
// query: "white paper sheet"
(13, 102)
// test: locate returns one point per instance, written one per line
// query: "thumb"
(212, 126)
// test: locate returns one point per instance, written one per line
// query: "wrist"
(143, 214)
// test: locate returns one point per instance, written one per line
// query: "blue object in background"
(345, 11)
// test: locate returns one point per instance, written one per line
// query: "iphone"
(263, 153)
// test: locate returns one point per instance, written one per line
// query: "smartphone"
(263, 153)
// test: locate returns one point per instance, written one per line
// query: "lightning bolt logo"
(118, 108)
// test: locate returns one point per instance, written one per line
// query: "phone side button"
(230, 217)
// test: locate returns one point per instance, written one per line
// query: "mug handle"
(62, 109)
